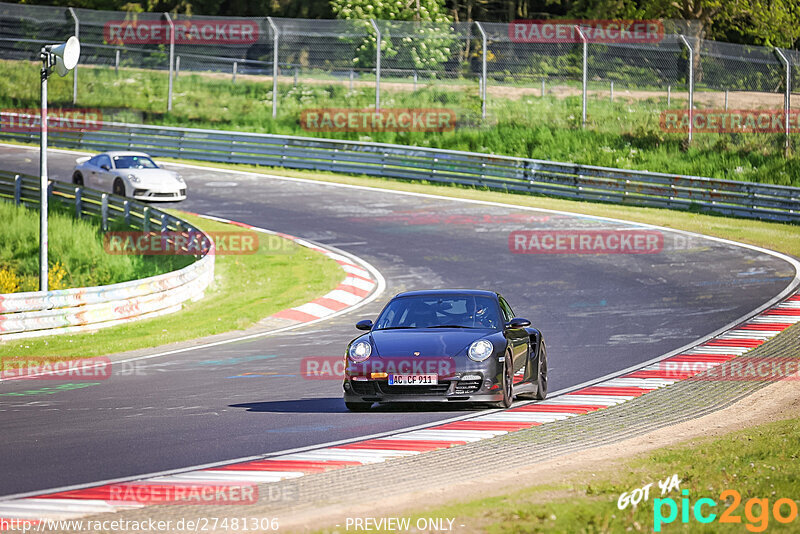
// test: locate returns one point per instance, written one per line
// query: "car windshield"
(134, 162)
(450, 311)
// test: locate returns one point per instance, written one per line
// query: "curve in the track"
(600, 313)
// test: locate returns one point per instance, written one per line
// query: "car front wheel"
(507, 384)
(119, 188)
(77, 178)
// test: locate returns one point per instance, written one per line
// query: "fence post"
(483, 69)
(78, 202)
(377, 65)
(171, 58)
(75, 70)
(669, 95)
(177, 65)
(17, 189)
(787, 97)
(295, 77)
(274, 67)
(116, 62)
(584, 69)
(235, 68)
(726, 100)
(351, 79)
(543, 91)
(146, 220)
(104, 210)
(691, 84)
(612, 91)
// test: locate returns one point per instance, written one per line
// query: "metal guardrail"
(582, 182)
(33, 314)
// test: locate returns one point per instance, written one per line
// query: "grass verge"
(760, 462)
(624, 133)
(75, 245)
(246, 289)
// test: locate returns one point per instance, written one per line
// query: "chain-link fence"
(482, 69)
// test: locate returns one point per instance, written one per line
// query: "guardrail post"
(78, 202)
(483, 69)
(104, 211)
(787, 97)
(17, 189)
(126, 211)
(164, 223)
(584, 69)
(171, 58)
(691, 84)
(274, 67)
(146, 220)
(75, 70)
(377, 65)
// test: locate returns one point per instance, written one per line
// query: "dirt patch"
(774, 403)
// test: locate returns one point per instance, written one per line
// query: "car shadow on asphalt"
(336, 405)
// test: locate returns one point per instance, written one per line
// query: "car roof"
(114, 153)
(447, 292)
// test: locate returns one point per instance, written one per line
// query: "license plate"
(413, 380)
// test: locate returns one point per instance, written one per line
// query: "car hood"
(151, 176)
(429, 342)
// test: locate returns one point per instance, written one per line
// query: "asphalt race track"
(599, 313)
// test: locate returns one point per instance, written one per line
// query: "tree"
(416, 33)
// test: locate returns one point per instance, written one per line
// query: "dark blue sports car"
(445, 345)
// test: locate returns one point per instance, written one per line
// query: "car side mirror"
(105, 167)
(518, 322)
(366, 324)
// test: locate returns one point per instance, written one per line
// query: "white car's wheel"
(119, 187)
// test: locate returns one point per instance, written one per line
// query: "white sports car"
(129, 174)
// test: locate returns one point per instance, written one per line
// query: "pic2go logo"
(756, 511)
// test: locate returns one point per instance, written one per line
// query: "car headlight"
(480, 350)
(179, 178)
(133, 178)
(360, 351)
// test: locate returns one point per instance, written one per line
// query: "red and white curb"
(609, 392)
(358, 284)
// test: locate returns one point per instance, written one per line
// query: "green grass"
(623, 133)
(760, 462)
(246, 289)
(77, 244)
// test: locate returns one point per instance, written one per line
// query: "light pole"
(64, 57)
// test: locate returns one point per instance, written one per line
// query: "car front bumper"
(448, 390)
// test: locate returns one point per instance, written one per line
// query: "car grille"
(439, 389)
(465, 387)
